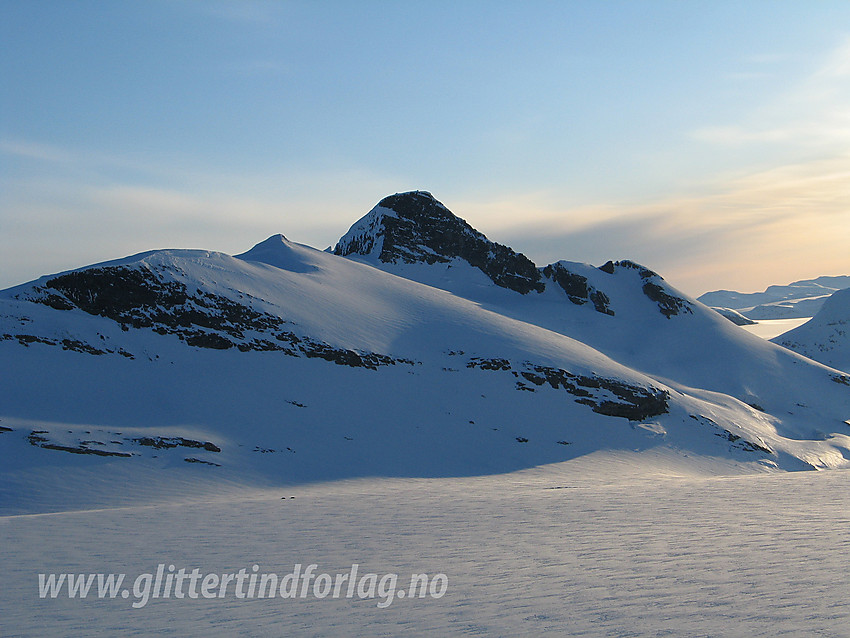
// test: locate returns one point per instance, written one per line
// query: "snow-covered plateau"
(580, 450)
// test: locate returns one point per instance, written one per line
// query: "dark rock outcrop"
(35, 438)
(734, 439)
(610, 397)
(414, 227)
(164, 443)
(141, 298)
(577, 289)
(669, 305)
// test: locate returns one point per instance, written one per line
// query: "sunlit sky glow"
(709, 141)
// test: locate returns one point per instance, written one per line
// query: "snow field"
(558, 551)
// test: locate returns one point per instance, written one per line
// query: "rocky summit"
(414, 227)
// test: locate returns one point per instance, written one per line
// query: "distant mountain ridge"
(796, 300)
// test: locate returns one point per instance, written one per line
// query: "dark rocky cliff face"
(420, 229)
(668, 305)
(577, 289)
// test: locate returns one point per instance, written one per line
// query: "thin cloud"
(776, 225)
(810, 114)
(37, 151)
(739, 135)
(837, 64)
(748, 76)
(767, 58)
(149, 205)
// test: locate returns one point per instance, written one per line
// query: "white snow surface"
(620, 545)
(279, 419)
(826, 337)
(700, 349)
(735, 317)
(547, 516)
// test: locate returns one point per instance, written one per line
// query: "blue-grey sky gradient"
(708, 140)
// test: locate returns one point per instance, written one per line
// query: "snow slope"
(180, 373)
(620, 309)
(735, 317)
(825, 337)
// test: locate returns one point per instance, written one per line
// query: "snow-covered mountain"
(796, 300)
(825, 336)
(418, 348)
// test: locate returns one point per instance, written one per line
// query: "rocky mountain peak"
(414, 227)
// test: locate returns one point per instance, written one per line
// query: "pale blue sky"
(708, 140)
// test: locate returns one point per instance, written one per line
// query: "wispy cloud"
(810, 113)
(837, 65)
(34, 150)
(747, 76)
(768, 227)
(76, 160)
(733, 135)
(151, 203)
(767, 58)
